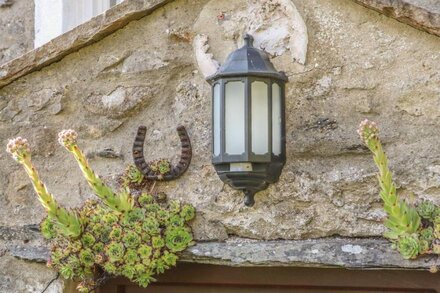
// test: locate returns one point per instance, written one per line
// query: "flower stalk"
(137, 237)
(402, 219)
(67, 221)
(121, 203)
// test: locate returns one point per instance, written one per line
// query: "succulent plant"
(188, 212)
(427, 234)
(169, 258)
(177, 238)
(152, 208)
(408, 246)
(144, 251)
(406, 230)
(116, 233)
(66, 271)
(436, 246)
(160, 167)
(47, 228)
(98, 247)
(176, 220)
(131, 257)
(145, 199)
(132, 175)
(115, 251)
(128, 271)
(157, 242)
(88, 240)
(144, 279)
(86, 257)
(67, 221)
(121, 234)
(402, 218)
(131, 239)
(119, 202)
(130, 218)
(424, 246)
(427, 210)
(174, 207)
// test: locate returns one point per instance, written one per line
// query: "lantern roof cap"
(247, 61)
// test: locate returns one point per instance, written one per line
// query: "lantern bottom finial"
(250, 182)
(249, 197)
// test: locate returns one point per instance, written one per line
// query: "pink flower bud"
(67, 137)
(18, 147)
(368, 130)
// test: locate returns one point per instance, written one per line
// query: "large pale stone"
(119, 102)
(276, 25)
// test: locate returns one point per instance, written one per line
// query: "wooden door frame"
(189, 274)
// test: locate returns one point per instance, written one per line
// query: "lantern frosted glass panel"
(276, 119)
(260, 118)
(234, 118)
(216, 120)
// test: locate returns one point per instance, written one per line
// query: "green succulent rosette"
(427, 210)
(132, 244)
(408, 246)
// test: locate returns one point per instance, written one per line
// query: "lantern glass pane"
(216, 119)
(260, 118)
(235, 117)
(276, 119)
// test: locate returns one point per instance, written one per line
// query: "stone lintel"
(361, 253)
(421, 14)
(352, 253)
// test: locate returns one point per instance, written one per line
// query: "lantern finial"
(248, 40)
(249, 197)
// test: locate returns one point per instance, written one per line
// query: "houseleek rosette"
(67, 221)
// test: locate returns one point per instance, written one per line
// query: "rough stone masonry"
(359, 64)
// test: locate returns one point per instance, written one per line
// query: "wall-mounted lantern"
(248, 120)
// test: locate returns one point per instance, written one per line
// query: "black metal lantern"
(248, 120)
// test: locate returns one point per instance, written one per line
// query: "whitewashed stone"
(276, 25)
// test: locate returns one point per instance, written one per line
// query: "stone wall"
(16, 28)
(359, 64)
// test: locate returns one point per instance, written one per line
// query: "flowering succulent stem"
(68, 221)
(137, 237)
(402, 218)
(122, 202)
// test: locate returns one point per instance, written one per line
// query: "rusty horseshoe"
(175, 171)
